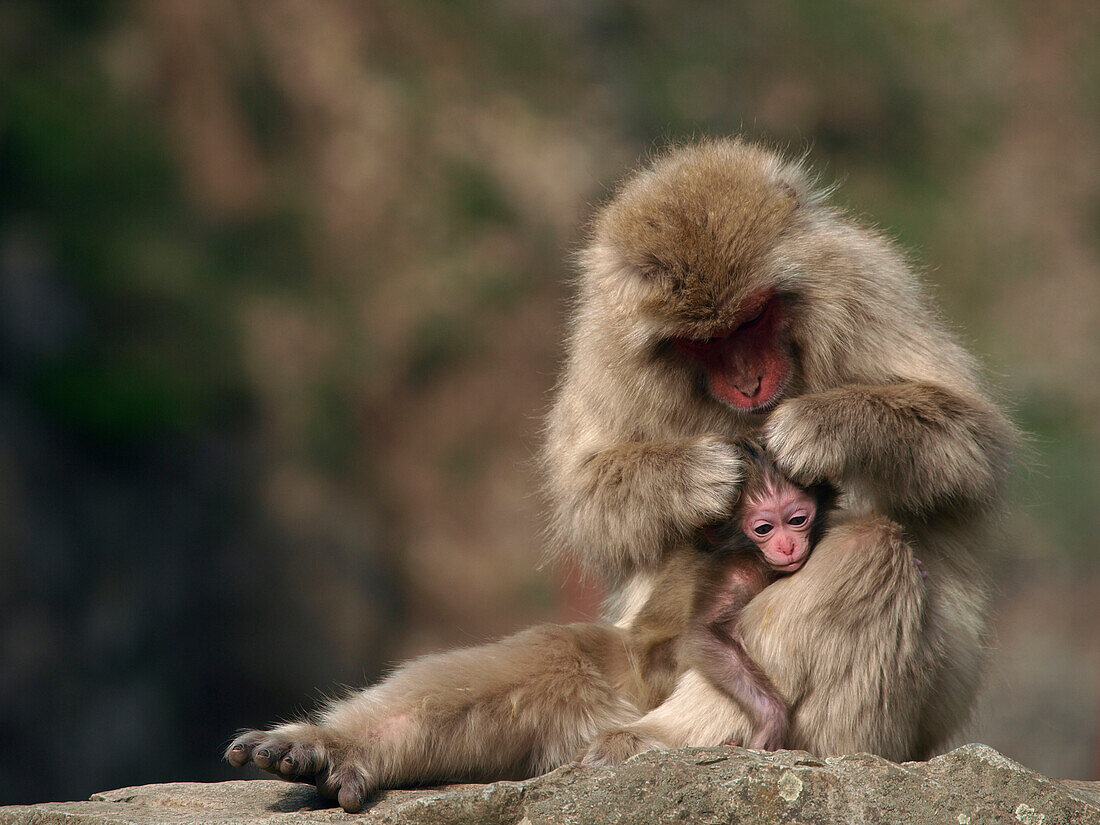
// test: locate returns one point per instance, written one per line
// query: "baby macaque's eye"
(762, 529)
(797, 521)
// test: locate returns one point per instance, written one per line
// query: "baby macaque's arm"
(717, 651)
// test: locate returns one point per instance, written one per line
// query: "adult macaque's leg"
(507, 710)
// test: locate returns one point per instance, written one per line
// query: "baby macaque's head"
(779, 518)
(782, 519)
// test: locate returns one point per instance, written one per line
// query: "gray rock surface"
(973, 785)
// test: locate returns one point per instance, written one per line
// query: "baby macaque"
(773, 531)
(691, 620)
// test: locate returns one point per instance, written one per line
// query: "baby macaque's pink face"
(779, 522)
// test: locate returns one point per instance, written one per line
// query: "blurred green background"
(282, 289)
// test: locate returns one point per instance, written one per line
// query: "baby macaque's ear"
(713, 538)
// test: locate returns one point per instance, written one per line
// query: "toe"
(300, 762)
(352, 793)
(269, 753)
(239, 752)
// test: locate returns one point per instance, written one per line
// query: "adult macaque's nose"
(749, 384)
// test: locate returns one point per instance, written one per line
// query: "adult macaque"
(720, 294)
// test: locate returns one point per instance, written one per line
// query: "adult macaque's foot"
(303, 753)
(615, 746)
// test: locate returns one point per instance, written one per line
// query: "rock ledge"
(973, 785)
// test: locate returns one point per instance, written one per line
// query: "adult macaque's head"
(698, 257)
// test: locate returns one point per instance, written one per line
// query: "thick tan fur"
(506, 710)
(880, 401)
(861, 561)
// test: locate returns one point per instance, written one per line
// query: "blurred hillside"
(283, 287)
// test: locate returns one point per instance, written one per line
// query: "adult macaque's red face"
(747, 366)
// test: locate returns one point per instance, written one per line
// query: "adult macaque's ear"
(650, 268)
(791, 193)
